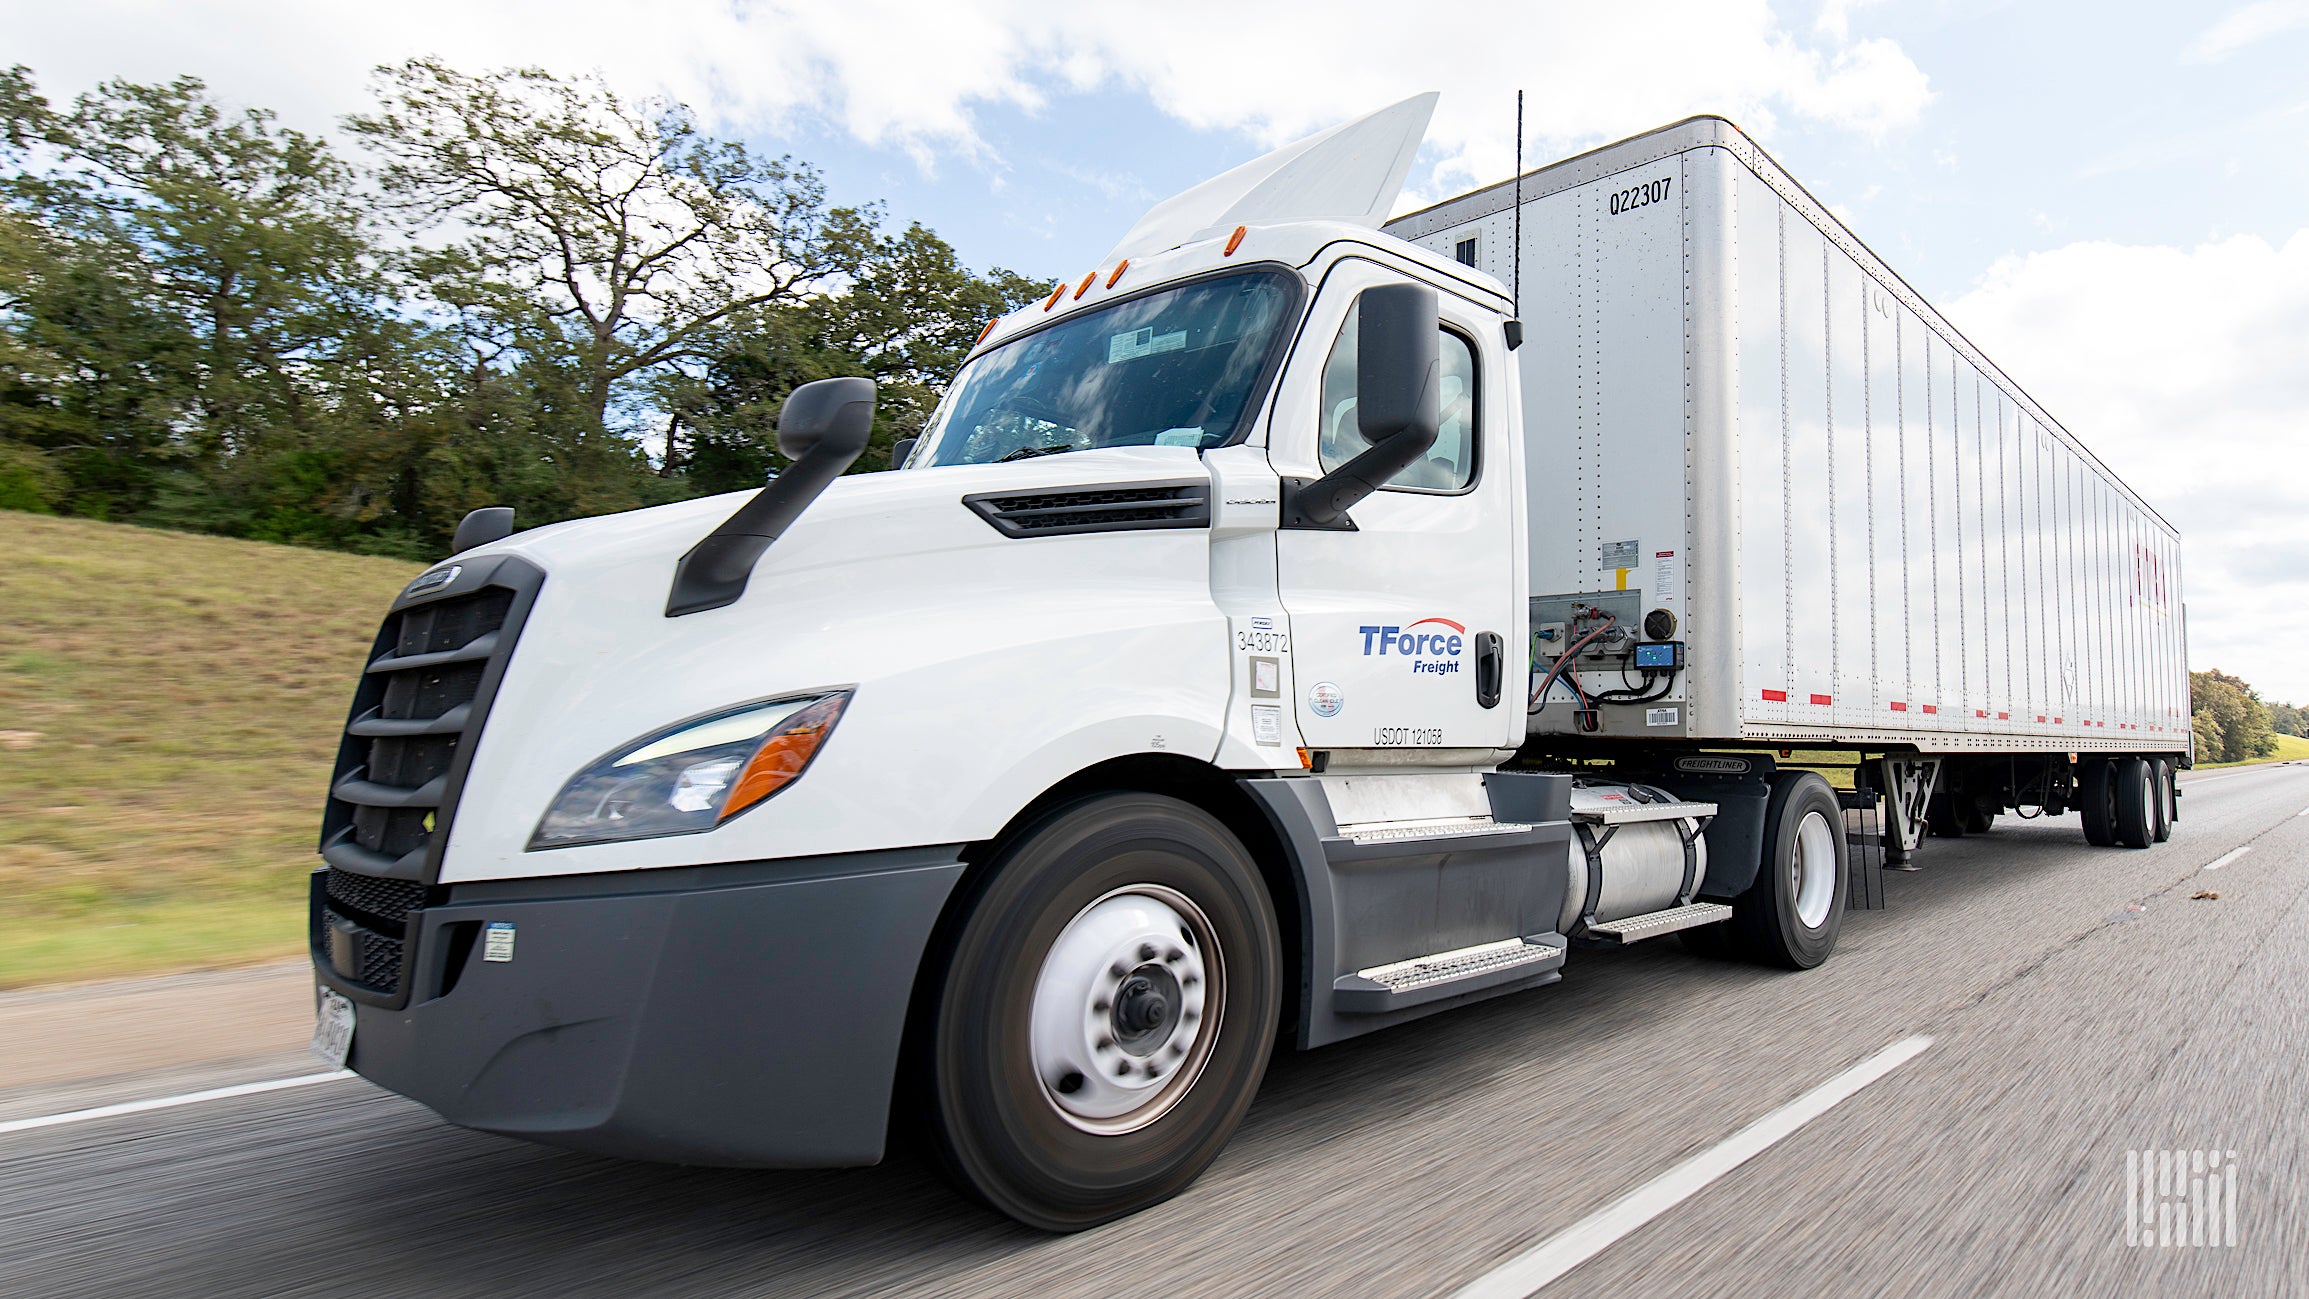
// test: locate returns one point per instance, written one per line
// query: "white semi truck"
(1277, 634)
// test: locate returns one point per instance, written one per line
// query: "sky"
(2111, 199)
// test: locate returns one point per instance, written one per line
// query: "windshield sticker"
(1180, 437)
(1325, 699)
(1429, 653)
(1143, 342)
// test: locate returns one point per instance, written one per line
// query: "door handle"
(1490, 656)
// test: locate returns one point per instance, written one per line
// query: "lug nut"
(1146, 951)
(1070, 1083)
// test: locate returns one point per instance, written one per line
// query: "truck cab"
(1159, 709)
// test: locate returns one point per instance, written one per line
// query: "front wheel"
(1107, 1009)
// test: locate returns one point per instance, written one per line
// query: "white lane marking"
(2302, 813)
(171, 1102)
(2227, 857)
(1525, 1273)
(2257, 769)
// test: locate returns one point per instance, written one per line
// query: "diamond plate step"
(1445, 974)
(1654, 923)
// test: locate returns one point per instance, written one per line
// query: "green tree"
(603, 237)
(905, 314)
(2285, 719)
(2230, 722)
(190, 295)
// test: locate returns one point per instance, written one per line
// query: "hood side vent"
(1097, 507)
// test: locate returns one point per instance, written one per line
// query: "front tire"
(1793, 912)
(1125, 947)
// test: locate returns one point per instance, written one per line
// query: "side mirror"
(1398, 402)
(902, 451)
(822, 427)
(482, 526)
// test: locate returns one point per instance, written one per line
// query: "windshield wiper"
(1025, 453)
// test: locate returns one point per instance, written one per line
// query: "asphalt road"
(2081, 1003)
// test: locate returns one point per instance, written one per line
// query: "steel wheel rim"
(1126, 1010)
(1812, 871)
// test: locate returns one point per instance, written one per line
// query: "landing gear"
(1106, 1012)
(1907, 796)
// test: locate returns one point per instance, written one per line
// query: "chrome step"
(1652, 924)
(1443, 828)
(1444, 974)
(1633, 813)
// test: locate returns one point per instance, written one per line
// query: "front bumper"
(746, 1015)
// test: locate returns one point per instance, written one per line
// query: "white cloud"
(2187, 370)
(916, 73)
(2255, 22)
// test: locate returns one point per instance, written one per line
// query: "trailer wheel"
(1107, 1009)
(2161, 827)
(2136, 799)
(1791, 915)
(2097, 801)
(1977, 819)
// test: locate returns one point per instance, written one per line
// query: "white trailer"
(1750, 435)
(1271, 639)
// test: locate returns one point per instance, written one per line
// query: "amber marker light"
(1306, 760)
(1055, 295)
(1087, 281)
(1235, 240)
(988, 330)
(1119, 268)
(785, 754)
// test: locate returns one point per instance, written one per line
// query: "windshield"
(1172, 369)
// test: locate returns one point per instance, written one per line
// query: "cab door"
(1408, 629)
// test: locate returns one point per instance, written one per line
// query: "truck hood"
(950, 632)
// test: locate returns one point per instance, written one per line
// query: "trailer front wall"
(1913, 550)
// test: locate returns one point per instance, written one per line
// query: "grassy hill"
(169, 708)
(2290, 748)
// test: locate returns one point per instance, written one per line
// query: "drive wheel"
(2096, 793)
(1791, 915)
(1106, 1012)
(2136, 798)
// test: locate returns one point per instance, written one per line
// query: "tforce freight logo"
(1434, 653)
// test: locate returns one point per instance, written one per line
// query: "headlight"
(692, 776)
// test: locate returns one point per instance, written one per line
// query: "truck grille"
(1113, 507)
(415, 717)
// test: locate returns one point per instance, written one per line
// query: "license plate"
(333, 1029)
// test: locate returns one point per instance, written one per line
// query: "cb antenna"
(1515, 326)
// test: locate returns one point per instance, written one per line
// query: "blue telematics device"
(1667, 654)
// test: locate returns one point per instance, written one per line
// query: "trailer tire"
(2162, 826)
(2136, 799)
(1793, 912)
(1129, 933)
(1942, 818)
(2097, 801)
(1977, 819)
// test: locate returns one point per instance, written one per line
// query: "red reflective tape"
(1776, 696)
(1820, 699)
(1980, 712)
(1932, 708)
(2004, 717)
(1899, 707)
(2040, 717)
(2056, 721)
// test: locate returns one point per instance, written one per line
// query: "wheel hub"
(1119, 1024)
